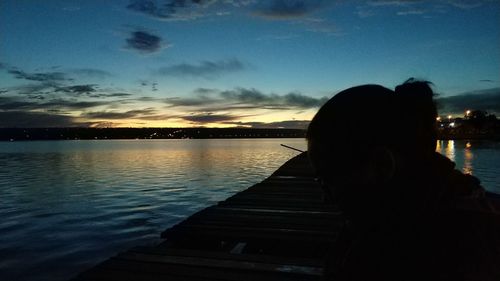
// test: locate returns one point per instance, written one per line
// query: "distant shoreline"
(31, 134)
(34, 134)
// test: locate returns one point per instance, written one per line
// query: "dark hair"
(371, 115)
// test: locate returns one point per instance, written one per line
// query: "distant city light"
(438, 118)
(467, 112)
(452, 124)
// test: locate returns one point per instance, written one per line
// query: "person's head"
(367, 137)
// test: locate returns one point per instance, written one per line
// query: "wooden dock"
(279, 229)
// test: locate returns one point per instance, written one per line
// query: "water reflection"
(475, 157)
(450, 150)
(65, 205)
(468, 155)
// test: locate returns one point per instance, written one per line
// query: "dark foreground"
(279, 229)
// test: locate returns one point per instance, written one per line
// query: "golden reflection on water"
(468, 155)
(450, 150)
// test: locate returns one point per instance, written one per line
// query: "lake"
(67, 205)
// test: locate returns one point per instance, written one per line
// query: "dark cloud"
(209, 118)
(486, 80)
(78, 89)
(290, 100)
(394, 2)
(27, 119)
(69, 104)
(287, 9)
(36, 97)
(11, 103)
(166, 10)
(15, 103)
(115, 95)
(251, 96)
(39, 76)
(488, 100)
(144, 42)
(148, 99)
(120, 115)
(204, 91)
(243, 98)
(205, 69)
(92, 73)
(36, 89)
(198, 101)
(287, 124)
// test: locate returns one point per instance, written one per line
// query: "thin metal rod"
(292, 148)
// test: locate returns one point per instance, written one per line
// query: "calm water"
(478, 158)
(66, 205)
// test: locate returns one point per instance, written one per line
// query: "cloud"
(11, 103)
(110, 95)
(92, 73)
(27, 119)
(204, 91)
(255, 97)
(394, 2)
(15, 103)
(168, 10)
(287, 124)
(39, 76)
(205, 69)
(418, 7)
(488, 100)
(197, 101)
(74, 105)
(144, 42)
(120, 115)
(319, 25)
(206, 118)
(243, 98)
(286, 9)
(465, 4)
(411, 12)
(78, 89)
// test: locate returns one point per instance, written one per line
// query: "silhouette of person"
(410, 215)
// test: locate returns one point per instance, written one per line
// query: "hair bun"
(418, 110)
(415, 90)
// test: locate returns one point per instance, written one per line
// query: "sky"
(227, 63)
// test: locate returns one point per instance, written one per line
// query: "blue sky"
(144, 63)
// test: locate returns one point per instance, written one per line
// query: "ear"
(383, 163)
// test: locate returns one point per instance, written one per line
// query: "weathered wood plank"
(219, 255)
(222, 263)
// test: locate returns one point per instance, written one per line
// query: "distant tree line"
(16, 134)
(474, 124)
